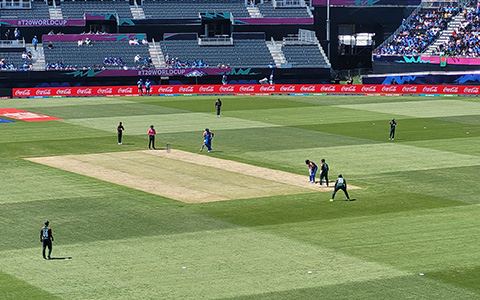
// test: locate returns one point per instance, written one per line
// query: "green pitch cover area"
(412, 232)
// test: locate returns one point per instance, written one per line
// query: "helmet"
(206, 129)
(307, 161)
(340, 175)
(46, 222)
(323, 159)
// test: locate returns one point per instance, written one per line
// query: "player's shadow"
(61, 258)
(346, 200)
(216, 151)
(128, 144)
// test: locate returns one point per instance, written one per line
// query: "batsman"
(207, 136)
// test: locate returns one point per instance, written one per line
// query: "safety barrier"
(300, 89)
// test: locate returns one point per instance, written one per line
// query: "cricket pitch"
(184, 176)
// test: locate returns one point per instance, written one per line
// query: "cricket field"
(242, 222)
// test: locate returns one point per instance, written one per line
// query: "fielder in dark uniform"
(218, 107)
(312, 170)
(323, 171)
(46, 237)
(120, 130)
(340, 184)
(392, 123)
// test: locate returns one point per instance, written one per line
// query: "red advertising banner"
(251, 90)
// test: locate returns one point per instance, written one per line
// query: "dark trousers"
(151, 142)
(120, 137)
(47, 243)
(343, 188)
(218, 111)
(324, 174)
(392, 133)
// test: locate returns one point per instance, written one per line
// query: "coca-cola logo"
(226, 89)
(327, 88)
(410, 89)
(268, 88)
(206, 89)
(168, 89)
(249, 88)
(22, 93)
(105, 91)
(369, 88)
(349, 88)
(290, 88)
(472, 90)
(84, 91)
(127, 90)
(390, 88)
(46, 92)
(64, 92)
(450, 89)
(188, 89)
(429, 89)
(310, 88)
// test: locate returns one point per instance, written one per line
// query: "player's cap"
(46, 222)
(307, 161)
(206, 129)
(323, 159)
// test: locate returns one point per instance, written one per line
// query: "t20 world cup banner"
(294, 89)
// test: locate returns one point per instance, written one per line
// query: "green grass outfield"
(417, 212)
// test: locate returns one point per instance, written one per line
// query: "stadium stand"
(12, 61)
(464, 40)
(39, 11)
(76, 9)
(70, 53)
(421, 31)
(304, 56)
(268, 11)
(172, 9)
(243, 53)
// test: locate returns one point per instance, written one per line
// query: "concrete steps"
(55, 13)
(277, 53)
(38, 59)
(157, 55)
(137, 12)
(254, 12)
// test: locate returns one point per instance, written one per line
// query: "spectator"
(35, 42)
(80, 43)
(145, 41)
(16, 34)
(88, 42)
(50, 45)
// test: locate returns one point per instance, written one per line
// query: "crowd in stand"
(419, 32)
(9, 66)
(465, 40)
(176, 63)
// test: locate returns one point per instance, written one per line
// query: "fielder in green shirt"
(46, 237)
(340, 184)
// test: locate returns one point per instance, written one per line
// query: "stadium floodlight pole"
(328, 29)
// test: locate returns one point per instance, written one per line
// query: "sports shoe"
(331, 200)
(209, 151)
